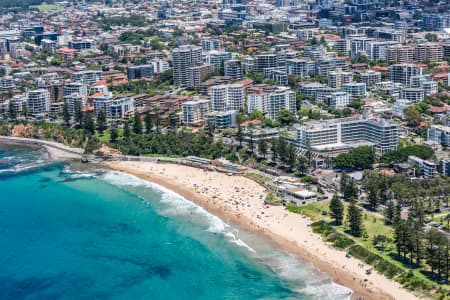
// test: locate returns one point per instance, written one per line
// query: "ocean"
(99, 234)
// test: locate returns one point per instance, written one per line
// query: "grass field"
(46, 7)
(363, 248)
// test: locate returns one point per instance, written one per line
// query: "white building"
(398, 108)
(195, 112)
(355, 89)
(338, 100)
(114, 109)
(87, 77)
(227, 97)
(339, 134)
(439, 134)
(73, 101)
(76, 88)
(38, 101)
(272, 102)
(427, 168)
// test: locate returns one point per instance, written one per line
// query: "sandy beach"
(239, 200)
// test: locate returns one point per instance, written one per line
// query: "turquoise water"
(105, 235)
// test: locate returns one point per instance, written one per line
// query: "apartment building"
(282, 98)
(355, 89)
(217, 58)
(271, 100)
(73, 101)
(426, 168)
(223, 119)
(7, 83)
(337, 78)
(196, 74)
(211, 44)
(401, 73)
(38, 101)
(227, 97)
(413, 94)
(184, 58)
(195, 112)
(370, 77)
(115, 109)
(398, 108)
(435, 22)
(429, 52)
(234, 69)
(81, 44)
(439, 134)
(330, 135)
(338, 100)
(400, 54)
(76, 88)
(142, 71)
(87, 77)
(264, 61)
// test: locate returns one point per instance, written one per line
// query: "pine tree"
(78, 115)
(262, 147)
(114, 135)
(137, 124)
(126, 131)
(389, 213)
(354, 218)
(66, 114)
(101, 122)
(348, 187)
(148, 122)
(88, 123)
(373, 197)
(12, 114)
(337, 210)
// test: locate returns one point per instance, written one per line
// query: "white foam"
(285, 265)
(178, 205)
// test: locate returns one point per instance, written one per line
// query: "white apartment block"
(272, 102)
(282, 99)
(355, 89)
(114, 109)
(72, 101)
(338, 100)
(87, 77)
(439, 134)
(227, 97)
(195, 112)
(398, 108)
(184, 58)
(76, 88)
(337, 78)
(38, 101)
(370, 77)
(345, 133)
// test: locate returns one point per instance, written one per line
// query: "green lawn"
(373, 225)
(106, 136)
(46, 7)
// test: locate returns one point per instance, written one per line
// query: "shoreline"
(55, 151)
(377, 287)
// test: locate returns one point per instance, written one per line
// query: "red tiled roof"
(66, 50)
(380, 68)
(99, 94)
(253, 122)
(438, 109)
(440, 76)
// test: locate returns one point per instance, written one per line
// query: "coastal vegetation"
(376, 247)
